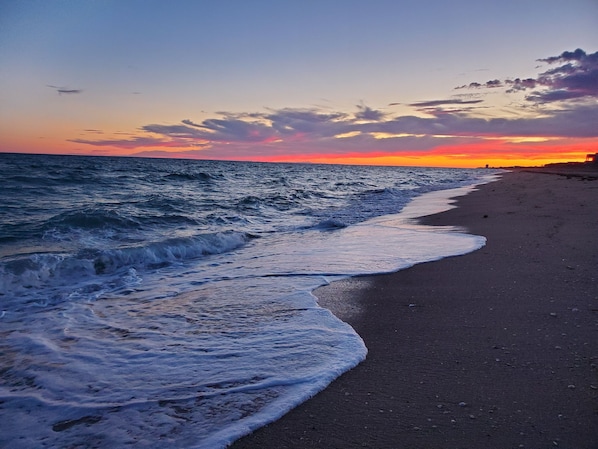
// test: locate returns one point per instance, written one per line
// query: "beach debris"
(462, 404)
(412, 305)
(553, 314)
(571, 387)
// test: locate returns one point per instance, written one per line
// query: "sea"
(151, 303)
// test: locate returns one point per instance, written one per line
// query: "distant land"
(587, 170)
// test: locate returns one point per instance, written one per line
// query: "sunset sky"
(435, 83)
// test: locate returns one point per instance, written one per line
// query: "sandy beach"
(494, 349)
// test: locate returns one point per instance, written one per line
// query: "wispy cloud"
(434, 103)
(134, 143)
(439, 107)
(488, 84)
(65, 90)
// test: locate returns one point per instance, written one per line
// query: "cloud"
(438, 107)
(131, 144)
(575, 122)
(298, 124)
(488, 84)
(518, 84)
(65, 90)
(575, 78)
(190, 123)
(235, 129)
(174, 131)
(367, 113)
(69, 91)
(566, 56)
(296, 131)
(434, 103)
(225, 130)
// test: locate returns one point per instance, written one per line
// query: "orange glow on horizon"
(494, 153)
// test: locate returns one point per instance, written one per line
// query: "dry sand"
(494, 349)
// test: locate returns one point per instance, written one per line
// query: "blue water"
(167, 303)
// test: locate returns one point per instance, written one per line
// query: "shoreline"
(412, 215)
(497, 348)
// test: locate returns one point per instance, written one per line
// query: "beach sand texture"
(494, 349)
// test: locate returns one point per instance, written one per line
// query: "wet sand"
(494, 349)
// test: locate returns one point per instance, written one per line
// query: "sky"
(456, 83)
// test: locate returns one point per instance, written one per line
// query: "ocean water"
(167, 303)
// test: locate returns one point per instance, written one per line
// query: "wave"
(275, 202)
(107, 223)
(199, 176)
(38, 271)
(156, 255)
(93, 218)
